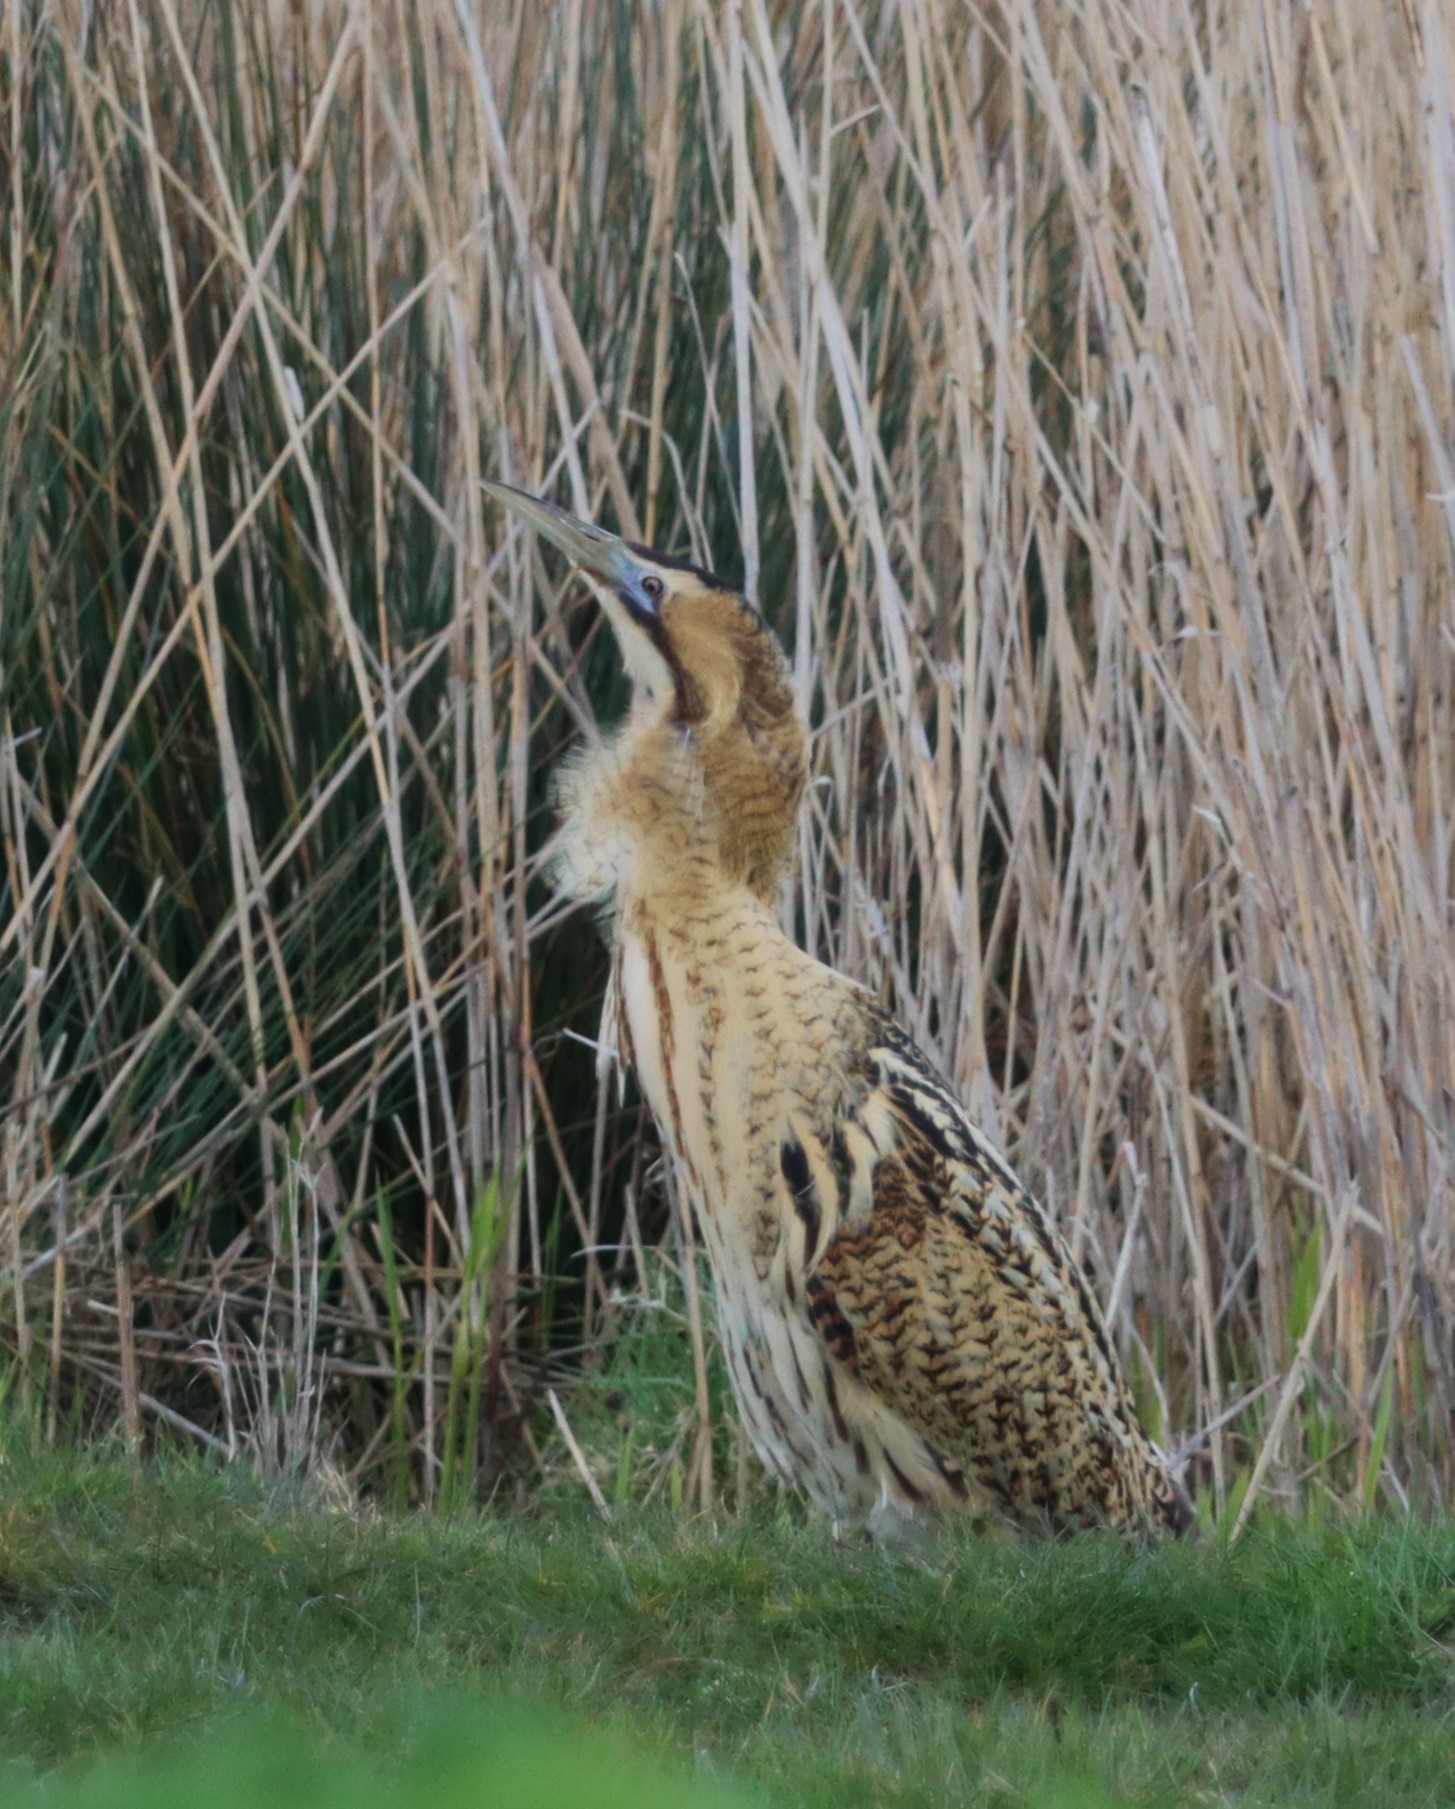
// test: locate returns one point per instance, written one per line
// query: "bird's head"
(711, 682)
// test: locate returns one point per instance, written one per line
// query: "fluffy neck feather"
(660, 813)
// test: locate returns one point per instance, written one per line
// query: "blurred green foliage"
(456, 1753)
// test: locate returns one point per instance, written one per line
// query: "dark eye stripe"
(673, 563)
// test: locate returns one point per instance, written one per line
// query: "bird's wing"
(937, 1280)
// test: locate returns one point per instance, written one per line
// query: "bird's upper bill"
(601, 555)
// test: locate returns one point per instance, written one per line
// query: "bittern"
(905, 1329)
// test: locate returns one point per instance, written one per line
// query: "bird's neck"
(654, 824)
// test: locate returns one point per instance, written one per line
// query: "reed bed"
(1074, 386)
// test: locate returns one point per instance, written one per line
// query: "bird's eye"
(653, 586)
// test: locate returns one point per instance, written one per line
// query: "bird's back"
(959, 1303)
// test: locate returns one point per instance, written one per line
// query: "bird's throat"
(657, 820)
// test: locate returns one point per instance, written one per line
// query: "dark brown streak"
(667, 1037)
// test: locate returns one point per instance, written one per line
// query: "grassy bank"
(177, 1602)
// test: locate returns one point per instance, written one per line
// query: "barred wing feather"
(939, 1283)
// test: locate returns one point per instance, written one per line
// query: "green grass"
(453, 1754)
(176, 1603)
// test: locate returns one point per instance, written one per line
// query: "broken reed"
(1074, 389)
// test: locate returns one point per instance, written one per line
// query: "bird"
(907, 1335)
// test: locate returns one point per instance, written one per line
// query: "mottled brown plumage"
(905, 1329)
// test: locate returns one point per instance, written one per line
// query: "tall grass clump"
(1075, 387)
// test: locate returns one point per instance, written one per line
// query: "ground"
(169, 1626)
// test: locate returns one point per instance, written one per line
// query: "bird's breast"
(733, 1031)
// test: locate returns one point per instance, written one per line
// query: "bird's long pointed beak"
(598, 553)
